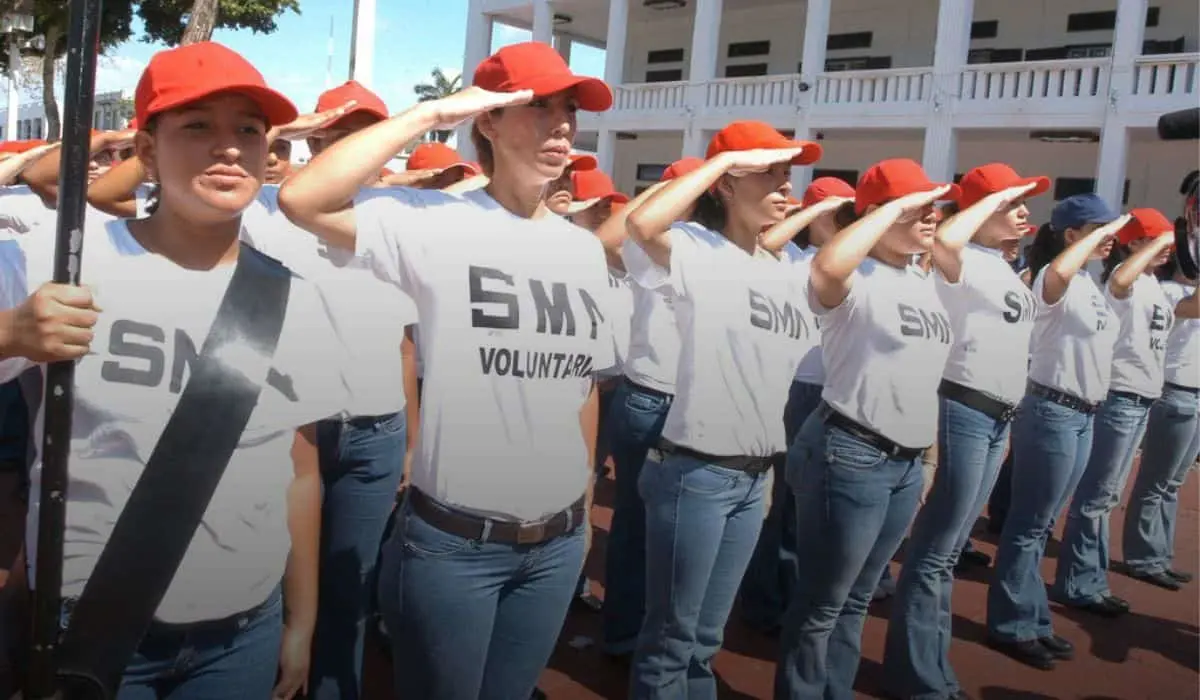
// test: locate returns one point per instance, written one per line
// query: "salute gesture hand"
(741, 163)
(917, 201)
(467, 103)
(1003, 198)
(307, 125)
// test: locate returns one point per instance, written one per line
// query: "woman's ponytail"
(1047, 245)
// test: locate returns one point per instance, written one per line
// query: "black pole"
(83, 44)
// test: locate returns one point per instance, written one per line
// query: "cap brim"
(1041, 185)
(469, 169)
(582, 205)
(811, 154)
(579, 163)
(277, 108)
(355, 110)
(593, 94)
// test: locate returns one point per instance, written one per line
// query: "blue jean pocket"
(424, 540)
(641, 402)
(845, 450)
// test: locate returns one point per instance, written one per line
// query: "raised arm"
(778, 235)
(613, 231)
(320, 198)
(649, 224)
(956, 232)
(1122, 279)
(1188, 307)
(840, 257)
(115, 192)
(1063, 268)
(16, 163)
(42, 176)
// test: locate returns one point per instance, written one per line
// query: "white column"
(695, 142)
(14, 97)
(606, 151)
(478, 47)
(1114, 135)
(614, 47)
(949, 56)
(563, 43)
(706, 42)
(362, 46)
(812, 65)
(543, 21)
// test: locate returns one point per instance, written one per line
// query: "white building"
(1066, 88)
(108, 112)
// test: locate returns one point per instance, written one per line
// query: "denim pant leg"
(772, 575)
(1147, 538)
(472, 619)
(916, 657)
(1051, 444)
(637, 419)
(701, 524)
(209, 664)
(1082, 574)
(1000, 499)
(362, 461)
(853, 506)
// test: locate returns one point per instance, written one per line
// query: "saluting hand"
(759, 160)
(918, 200)
(1003, 198)
(54, 324)
(1109, 230)
(469, 102)
(307, 125)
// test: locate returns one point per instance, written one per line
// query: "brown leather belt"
(473, 527)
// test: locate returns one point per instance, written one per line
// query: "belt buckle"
(531, 533)
(1008, 413)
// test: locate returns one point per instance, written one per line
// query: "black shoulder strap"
(155, 528)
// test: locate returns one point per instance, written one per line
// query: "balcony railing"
(762, 92)
(1034, 81)
(1175, 76)
(650, 97)
(874, 88)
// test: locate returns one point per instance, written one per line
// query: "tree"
(50, 25)
(176, 22)
(440, 87)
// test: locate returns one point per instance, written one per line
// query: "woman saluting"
(219, 630)
(487, 550)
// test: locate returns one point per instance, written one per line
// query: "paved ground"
(1151, 653)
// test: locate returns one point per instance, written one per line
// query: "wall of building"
(905, 30)
(1155, 168)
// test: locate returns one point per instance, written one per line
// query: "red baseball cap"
(995, 177)
(366, 100)
(536, 66)
(582, 161)
(132, 124)
(1146, 223)
(752, 135)
(438, 156)
(825, 187)
(893, 178)
(20, 146)
(681, 167)
(185, 74)
(591, 187)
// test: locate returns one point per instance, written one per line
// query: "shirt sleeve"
(13, 291)
(604, 354)
(651, 275)
(391, 225)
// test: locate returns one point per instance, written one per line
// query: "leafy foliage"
(438, 88)
(165, 20)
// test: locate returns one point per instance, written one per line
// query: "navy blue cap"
(1080, 210)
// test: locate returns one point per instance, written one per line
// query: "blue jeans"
(853, 506)
(1171, 445)
(1082, 574)
(772, 575)
(1051, 444)
(473, 619)
(917, 653)
(362, 461)
(636, 417)
(230, 662)
(701, 524)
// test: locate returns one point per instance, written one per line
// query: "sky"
(412, 37)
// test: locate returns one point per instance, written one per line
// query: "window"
(1151, 47)
(749, 48)
(1101, 21)
(994, 55)
(664, 76)
(850, 177)
(1051, 54)
(1070, 186)
(746, 70)
(853, 40)
(833, 65)
(665, 56)
(1089, 51)
(650, 172)
(37, 128)
(987, 29)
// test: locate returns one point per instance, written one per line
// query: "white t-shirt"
(1071, 348)
(1146, 318)
(811, 369)
(653, 358)
(368, 313)
(513, 329)
(991, 312)
(885, 350)
(621, 304)
(1182, 357)
(155, 316)
(22, 212)
(742, 328)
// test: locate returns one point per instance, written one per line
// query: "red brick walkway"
(1153, 653)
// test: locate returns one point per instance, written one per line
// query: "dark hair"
(710, 212)
(845, 215)
(1167, 270)
(1119, 254)
(483, 151)
(950, 209)
(155, 194)
(1047, 245)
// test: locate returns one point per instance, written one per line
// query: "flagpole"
(83, 43)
